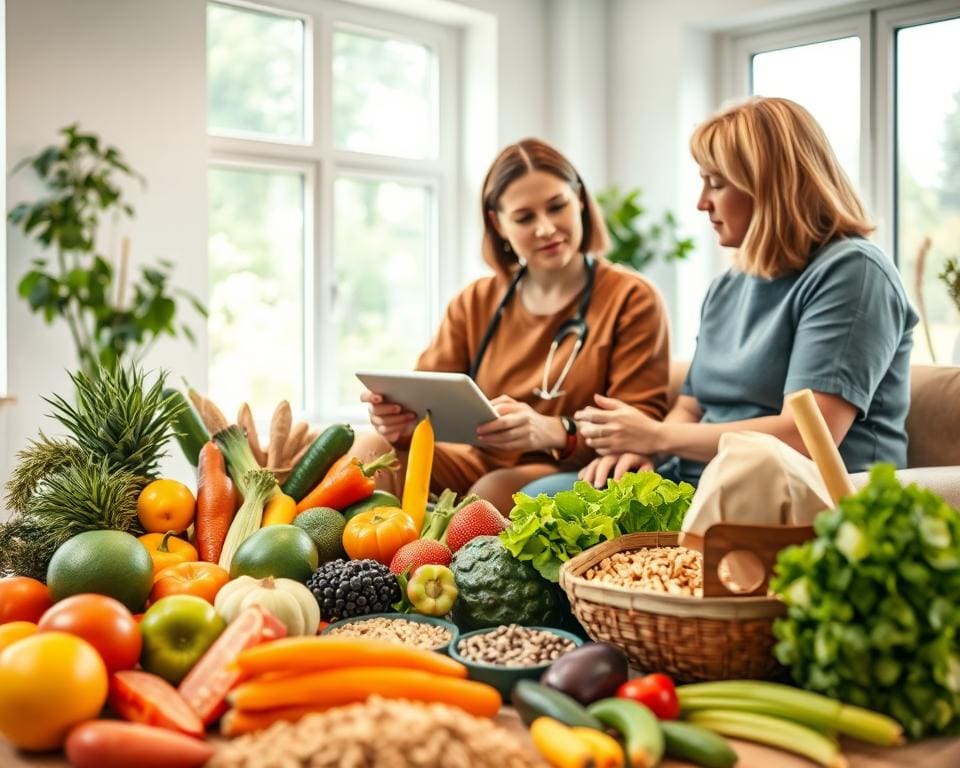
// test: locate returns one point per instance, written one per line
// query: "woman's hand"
(616, 428)
(520, 428)
(393, 423)
(615, 465)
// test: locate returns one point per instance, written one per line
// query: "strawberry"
(420, 552)
(480, 518)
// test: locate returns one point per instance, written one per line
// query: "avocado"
(496, 588)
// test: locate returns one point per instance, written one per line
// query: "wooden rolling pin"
(819, 443)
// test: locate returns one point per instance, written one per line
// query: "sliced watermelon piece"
(142, 697)
(206, 685)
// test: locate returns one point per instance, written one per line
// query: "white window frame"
(876, 25)
(326, 163)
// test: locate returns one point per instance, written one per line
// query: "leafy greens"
(548, 531)
(872, 613)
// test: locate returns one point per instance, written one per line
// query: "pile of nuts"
(380, 734)
(673, 570)
(514, 646)
(416, 634)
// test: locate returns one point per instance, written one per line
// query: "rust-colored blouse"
(626, 356)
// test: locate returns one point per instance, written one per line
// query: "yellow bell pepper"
(416, 486)
(166, 549)
(280, 510)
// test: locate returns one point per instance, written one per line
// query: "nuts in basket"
(672, 570)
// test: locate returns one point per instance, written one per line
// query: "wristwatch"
(570, 427)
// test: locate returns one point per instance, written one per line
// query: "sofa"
(933, 428)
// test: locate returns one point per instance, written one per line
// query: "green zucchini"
(639, 727)
(329, 446)
(533, 700)
(376, 499)
(686, 741)
(190, 431)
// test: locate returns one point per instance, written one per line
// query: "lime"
(281, 551)
(325, 527)
(111, 563)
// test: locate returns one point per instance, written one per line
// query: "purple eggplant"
(591, 672)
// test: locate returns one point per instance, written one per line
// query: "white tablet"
(456, 404)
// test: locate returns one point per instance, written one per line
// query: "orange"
(166, 505)
(15, 630)
(49, 682)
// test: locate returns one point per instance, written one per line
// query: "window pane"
(824, 78)
(384, 98)
(256, 252)
(255, 73)
(928, 176)
(382, 242)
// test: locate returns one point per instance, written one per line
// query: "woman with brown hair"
(808, 303)
(555, 324)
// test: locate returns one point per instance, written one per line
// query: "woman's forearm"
(698, 441)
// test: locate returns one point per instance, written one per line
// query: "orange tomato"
(103, 622)
(15, 630)
(200, 579)
(378, 533)
(166, 549)
(23, 599)
(166, 505)
(49, 682)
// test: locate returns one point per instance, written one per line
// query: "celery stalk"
(259, 485)
(781, 734)
(806, 707)
(699, 703)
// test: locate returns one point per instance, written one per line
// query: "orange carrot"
(216, 503)
(236, 722)
(314, 654)
(333, 688)
(347, 482)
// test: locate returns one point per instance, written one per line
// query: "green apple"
(432, 589)
(177, 630)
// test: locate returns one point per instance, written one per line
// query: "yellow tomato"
(15, 630)
(166, 505)
(49, 682)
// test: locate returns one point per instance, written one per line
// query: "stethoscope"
(576, 326)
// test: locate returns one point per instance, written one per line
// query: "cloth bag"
(755, 479)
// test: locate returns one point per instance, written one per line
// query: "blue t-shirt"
(842, 326)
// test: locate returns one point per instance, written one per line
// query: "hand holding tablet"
(456, 404)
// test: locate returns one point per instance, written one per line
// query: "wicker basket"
(722, 635)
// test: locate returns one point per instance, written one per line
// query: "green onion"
(774, 732)
(239, 457)
(258, 486)
(805, 707)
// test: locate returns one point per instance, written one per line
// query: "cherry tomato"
(103, 622)
(22, 599)
(655, 692)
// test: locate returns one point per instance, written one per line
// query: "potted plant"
(109, 320)
(636, 243)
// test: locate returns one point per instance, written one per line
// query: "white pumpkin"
(290, 601)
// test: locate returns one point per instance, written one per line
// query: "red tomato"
(142, 697)
(103, 622)
(206, 685)
(23, 599)
(655, 692)
(115, 744)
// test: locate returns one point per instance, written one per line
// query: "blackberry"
(348, 588)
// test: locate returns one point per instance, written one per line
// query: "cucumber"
(641, 731)
(533, 700)
(191, 433)
(329, 446)
(376, 499)
(686, 741)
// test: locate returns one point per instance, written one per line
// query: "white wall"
(133, 72)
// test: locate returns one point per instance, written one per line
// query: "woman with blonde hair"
(807, 303)
(553, 325)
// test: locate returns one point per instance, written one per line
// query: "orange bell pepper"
(347, 482)
(166, 549)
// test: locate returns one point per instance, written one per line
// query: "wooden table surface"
(932, 753)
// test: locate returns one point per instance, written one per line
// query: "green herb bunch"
(872, 613)
(90, 479)
(549, 531)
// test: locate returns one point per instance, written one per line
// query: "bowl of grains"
(410, 629)
(502, 655)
